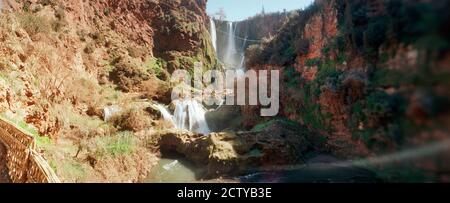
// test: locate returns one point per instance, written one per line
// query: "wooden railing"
(25, 165)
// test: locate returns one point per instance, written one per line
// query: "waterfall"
(165, 113)
(234, 56)
(230, 53)
(197, 121)
(213, 33)
(243, 53)
(188, 115)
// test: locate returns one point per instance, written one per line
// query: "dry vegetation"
(49, 84)
(133, 120)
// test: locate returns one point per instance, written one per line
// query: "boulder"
(110, 111)
(224, 117)
(229, 153)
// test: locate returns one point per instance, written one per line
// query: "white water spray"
(165, 113)
(234, 57)
(188, 115)
(213, 33)
(230, 53)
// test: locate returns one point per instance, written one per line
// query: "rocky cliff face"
(62, 62)
(128, 43)
(250, 31)
(182, 36)
(348, 69)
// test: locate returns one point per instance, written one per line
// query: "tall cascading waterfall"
(213, 33)
(243, 54)
(230, 58)
(189, 115)
(233, 57)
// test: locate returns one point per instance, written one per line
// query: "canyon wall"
(368, 76)
(249, 32)
(62, 62)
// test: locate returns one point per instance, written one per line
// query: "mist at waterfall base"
(189, 115)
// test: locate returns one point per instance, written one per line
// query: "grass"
(122, 143)
(34, 24)
(20, 124)
(10, 79)
(71, 170)
(43, 142)
(68, 117)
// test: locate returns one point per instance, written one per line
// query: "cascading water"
(233, 56)
(188, 115)
(165, 113)
(230, 53)
(243, 54)
(213, 33)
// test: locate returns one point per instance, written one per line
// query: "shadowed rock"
(227, 154)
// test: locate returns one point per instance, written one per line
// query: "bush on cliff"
(128, 74)
(132, 120)
(288, 43)
(34, 24)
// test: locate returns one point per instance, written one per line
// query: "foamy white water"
(188, 115)
(165, 113)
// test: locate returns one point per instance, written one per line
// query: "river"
(319, 169)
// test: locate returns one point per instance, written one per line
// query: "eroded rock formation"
(225, 154)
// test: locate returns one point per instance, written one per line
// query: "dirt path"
(4, 177)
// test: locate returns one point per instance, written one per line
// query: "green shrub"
(375, 35)
(286, 122)
(291, 77)
(157, 66)
(384, 77)
(313, 117)
(302, 46)
(313, 62)
(120, 144)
